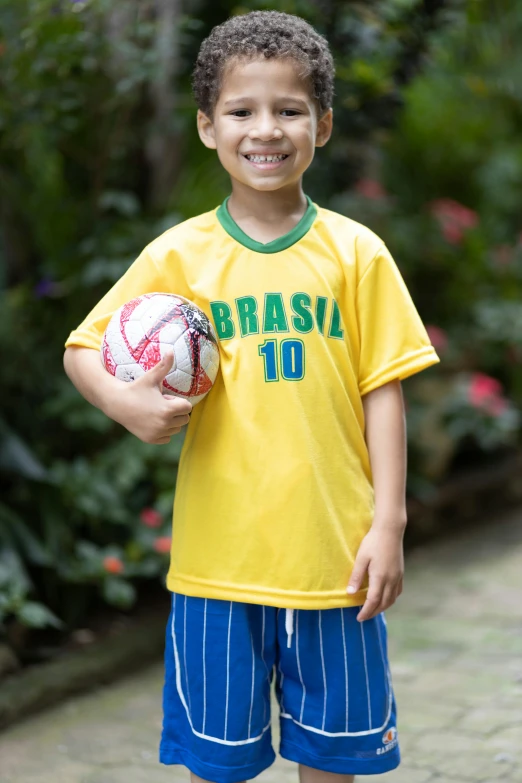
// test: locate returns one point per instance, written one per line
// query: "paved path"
(456, 647)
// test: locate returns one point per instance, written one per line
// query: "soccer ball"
(139, 333)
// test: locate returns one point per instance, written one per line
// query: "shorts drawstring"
(289, 625)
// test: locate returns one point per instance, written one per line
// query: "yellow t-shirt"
(274, 490)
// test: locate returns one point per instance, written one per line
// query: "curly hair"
(263, 34)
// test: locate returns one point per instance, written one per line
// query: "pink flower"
(452, 233)
(112, 564)
(151, 518)
(482, 387)
(438, 337)
(454, 219)
(485, 393)
(370, 188)
(162, 544)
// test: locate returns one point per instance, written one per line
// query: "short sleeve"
(393, 341)
(142, 277)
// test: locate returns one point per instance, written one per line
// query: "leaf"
(120, 201)
(36, 615)
(17, 457)
(119, 592)
(21, 535)
(13, 576)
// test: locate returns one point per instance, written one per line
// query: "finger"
(178, 421)
(359, 572)
(176, 425)
(389, 597)
(372, 603)
(156, 374)
(390, 593)
(162, 441)
(178, 406)
(368, 610)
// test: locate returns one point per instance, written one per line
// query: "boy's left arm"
(381, 550)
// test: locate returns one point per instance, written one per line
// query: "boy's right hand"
(142, 409)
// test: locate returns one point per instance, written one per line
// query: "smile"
(266, 158)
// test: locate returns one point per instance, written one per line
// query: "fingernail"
(351, 589)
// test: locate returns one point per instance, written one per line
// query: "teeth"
(265, 158)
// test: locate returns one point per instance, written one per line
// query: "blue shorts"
(333, 685)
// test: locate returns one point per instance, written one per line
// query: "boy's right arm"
(139, 406)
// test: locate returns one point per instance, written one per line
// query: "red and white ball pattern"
(140, 332)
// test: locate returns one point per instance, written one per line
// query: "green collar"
(276, 245)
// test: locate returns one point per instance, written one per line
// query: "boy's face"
(265, 109)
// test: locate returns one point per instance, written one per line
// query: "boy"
(290, 502)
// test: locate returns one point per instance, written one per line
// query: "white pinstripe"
(281, 675)
(185, 650)
(384, 663)
(184, 703)
(263, 641)
(252, 692)
(299, 665)
(281, 680)
(228, 669)
(345, 667)
(322, 664)
(367, 679)
(264, 662)
(204, 668)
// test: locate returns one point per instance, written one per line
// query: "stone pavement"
(456, 650)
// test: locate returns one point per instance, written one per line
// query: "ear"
(206, 130)
(324, 128)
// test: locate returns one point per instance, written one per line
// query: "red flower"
(162, 544)
(151, 518)
(438, 337)
(485, 393)
(454, 219)
(112, 564)
(370, 188)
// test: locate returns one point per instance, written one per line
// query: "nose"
(265, 129)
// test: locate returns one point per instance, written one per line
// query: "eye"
(240, 113)
(290, 112)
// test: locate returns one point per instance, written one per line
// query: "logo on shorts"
(389, 741)
(390, 735)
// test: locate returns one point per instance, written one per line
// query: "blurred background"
(99, 154)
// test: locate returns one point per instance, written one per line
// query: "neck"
(267, 206)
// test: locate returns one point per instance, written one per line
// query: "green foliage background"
(98, 155)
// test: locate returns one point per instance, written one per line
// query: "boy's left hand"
(381, 555)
